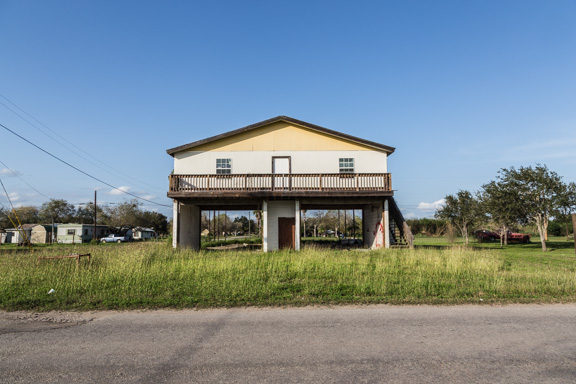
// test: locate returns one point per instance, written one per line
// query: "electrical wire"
(108, 167)
(81, 171)
(21, 179)
(19, 227)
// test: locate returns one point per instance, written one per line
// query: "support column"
(373, 226)
(297, 228)
(175, 223)
(265, 226)
(273, 212)
(386, 219)
(188, 226)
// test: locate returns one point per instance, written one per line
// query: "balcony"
(280, 185)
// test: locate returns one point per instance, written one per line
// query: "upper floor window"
(346, 165)
(223, 166)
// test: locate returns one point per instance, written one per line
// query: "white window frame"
(223, 166)
(346, 164)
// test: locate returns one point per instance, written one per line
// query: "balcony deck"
(280, 185)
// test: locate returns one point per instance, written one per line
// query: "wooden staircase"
(400, 234)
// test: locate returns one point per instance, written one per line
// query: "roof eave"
(304, 124)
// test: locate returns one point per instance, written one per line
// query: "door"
(286, 232)
(281, 170)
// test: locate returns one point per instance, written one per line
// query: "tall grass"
(152, 275)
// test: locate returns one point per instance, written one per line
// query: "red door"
(286, 232)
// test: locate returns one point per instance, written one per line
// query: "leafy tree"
(501, 202)
(533, 194)
(244, 224)
(26, 215)
(4, 219)
(56, 210)
(322, 221)
(429, 227)
(154, 220)
(130, 214)
(461, 210)
(85, 214)
(125, 213)
(566, 205)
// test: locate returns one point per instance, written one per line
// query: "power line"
(79, 170)
(21, 179)
(108, 167)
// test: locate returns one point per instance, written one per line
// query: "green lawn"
(153, 275)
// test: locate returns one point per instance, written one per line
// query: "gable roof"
(287, 119)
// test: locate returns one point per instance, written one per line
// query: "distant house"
(79, 233)
(144, 234)
(19, 235)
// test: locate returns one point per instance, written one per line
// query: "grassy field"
(153, 275)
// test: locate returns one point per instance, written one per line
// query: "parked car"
(518, 237)
(485, 235)
(112, 238)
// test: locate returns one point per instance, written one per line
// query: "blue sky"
(461, 89)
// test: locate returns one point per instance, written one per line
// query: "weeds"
(153, 275)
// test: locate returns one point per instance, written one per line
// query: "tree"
(125, 213)
(533, 193)
(26, 214)
(129, 214)
(4, 219)
(244, 224)
(57, 211)
(428, 227)
(154, 220)
(461, 210)
(500, 201)
(258, 216)
(566, 204)
(85, 214)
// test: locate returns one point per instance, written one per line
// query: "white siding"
(273, 210)
(204, 163)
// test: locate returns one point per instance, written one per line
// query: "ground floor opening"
(291, 223)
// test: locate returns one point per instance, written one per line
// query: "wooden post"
(574, 229)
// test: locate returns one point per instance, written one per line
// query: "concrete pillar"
(188, 226)
(175, 223)
(373, 225)
(386, 224)
(265, 226)
(272, 211)
(297, 229)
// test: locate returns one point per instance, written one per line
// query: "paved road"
(423, 344)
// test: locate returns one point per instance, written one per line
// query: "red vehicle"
(518, 237)
(485, 235)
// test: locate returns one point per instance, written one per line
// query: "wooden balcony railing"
(320, 182)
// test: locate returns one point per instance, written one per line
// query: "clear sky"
(460, 88)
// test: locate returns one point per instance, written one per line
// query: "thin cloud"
(119, 191)
(529, 151)
(431, 207)
(8, 172)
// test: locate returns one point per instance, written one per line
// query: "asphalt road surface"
(371, 344)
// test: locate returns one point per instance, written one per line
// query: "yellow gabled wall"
(282, 136)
